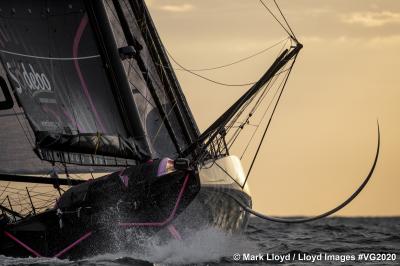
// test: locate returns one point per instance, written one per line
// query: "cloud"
(177, 8)
(309, 39)
(393, 41)
(372, 19)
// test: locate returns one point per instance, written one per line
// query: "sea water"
(332, 241)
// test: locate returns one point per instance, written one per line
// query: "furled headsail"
(90, 79)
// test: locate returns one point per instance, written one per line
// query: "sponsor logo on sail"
(26, 77)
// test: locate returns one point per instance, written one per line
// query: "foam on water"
(7, 261)
(333, 236)
(206, 245)
(203, 246)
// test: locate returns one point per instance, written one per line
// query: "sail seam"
(51, 58)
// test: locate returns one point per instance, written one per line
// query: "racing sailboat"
(87, 89)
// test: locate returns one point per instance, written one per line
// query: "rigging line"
(262, 118)
(270, 84)
(266, 90)
(39, 199)
(141, 77)
(130, 63)
(269, 122)
(266, 86)
(162, 123)
(42, 196)
(23, 129)
(239, 113)
(263, 95)
(4, 199)
(234, 62)
(208, 79)
(238, 131)
(62, 169)
(245, 106)
(141, 93)
(27, 135)
(37, 192)
(273, 15)
(4, 190)
(280, 11)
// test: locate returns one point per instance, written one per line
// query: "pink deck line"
(174, 232)
(170, 217)
(77, 39)
(65, 250)
(59, 254)
(22, 244)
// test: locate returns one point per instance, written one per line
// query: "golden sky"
(322, 140)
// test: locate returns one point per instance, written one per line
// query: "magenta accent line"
(77, 39)
(174, 232)
(22, 244)
(124, 178)
(170, 217)
(68, 115)
(51, 112)
(72, 120)
(65, 250)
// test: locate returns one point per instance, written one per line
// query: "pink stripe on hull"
(174, 232)
(65, 250)
(170, 217)
(22, 244)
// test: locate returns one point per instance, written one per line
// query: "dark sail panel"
(163, 111)
(51, 55)
(17, 143)
(149, 113)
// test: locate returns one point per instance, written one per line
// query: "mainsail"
(17, 140)
(90, 77)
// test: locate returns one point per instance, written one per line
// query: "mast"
(175, 92)
(109, 49)
(138, 47)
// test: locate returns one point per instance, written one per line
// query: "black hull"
(103, 220)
